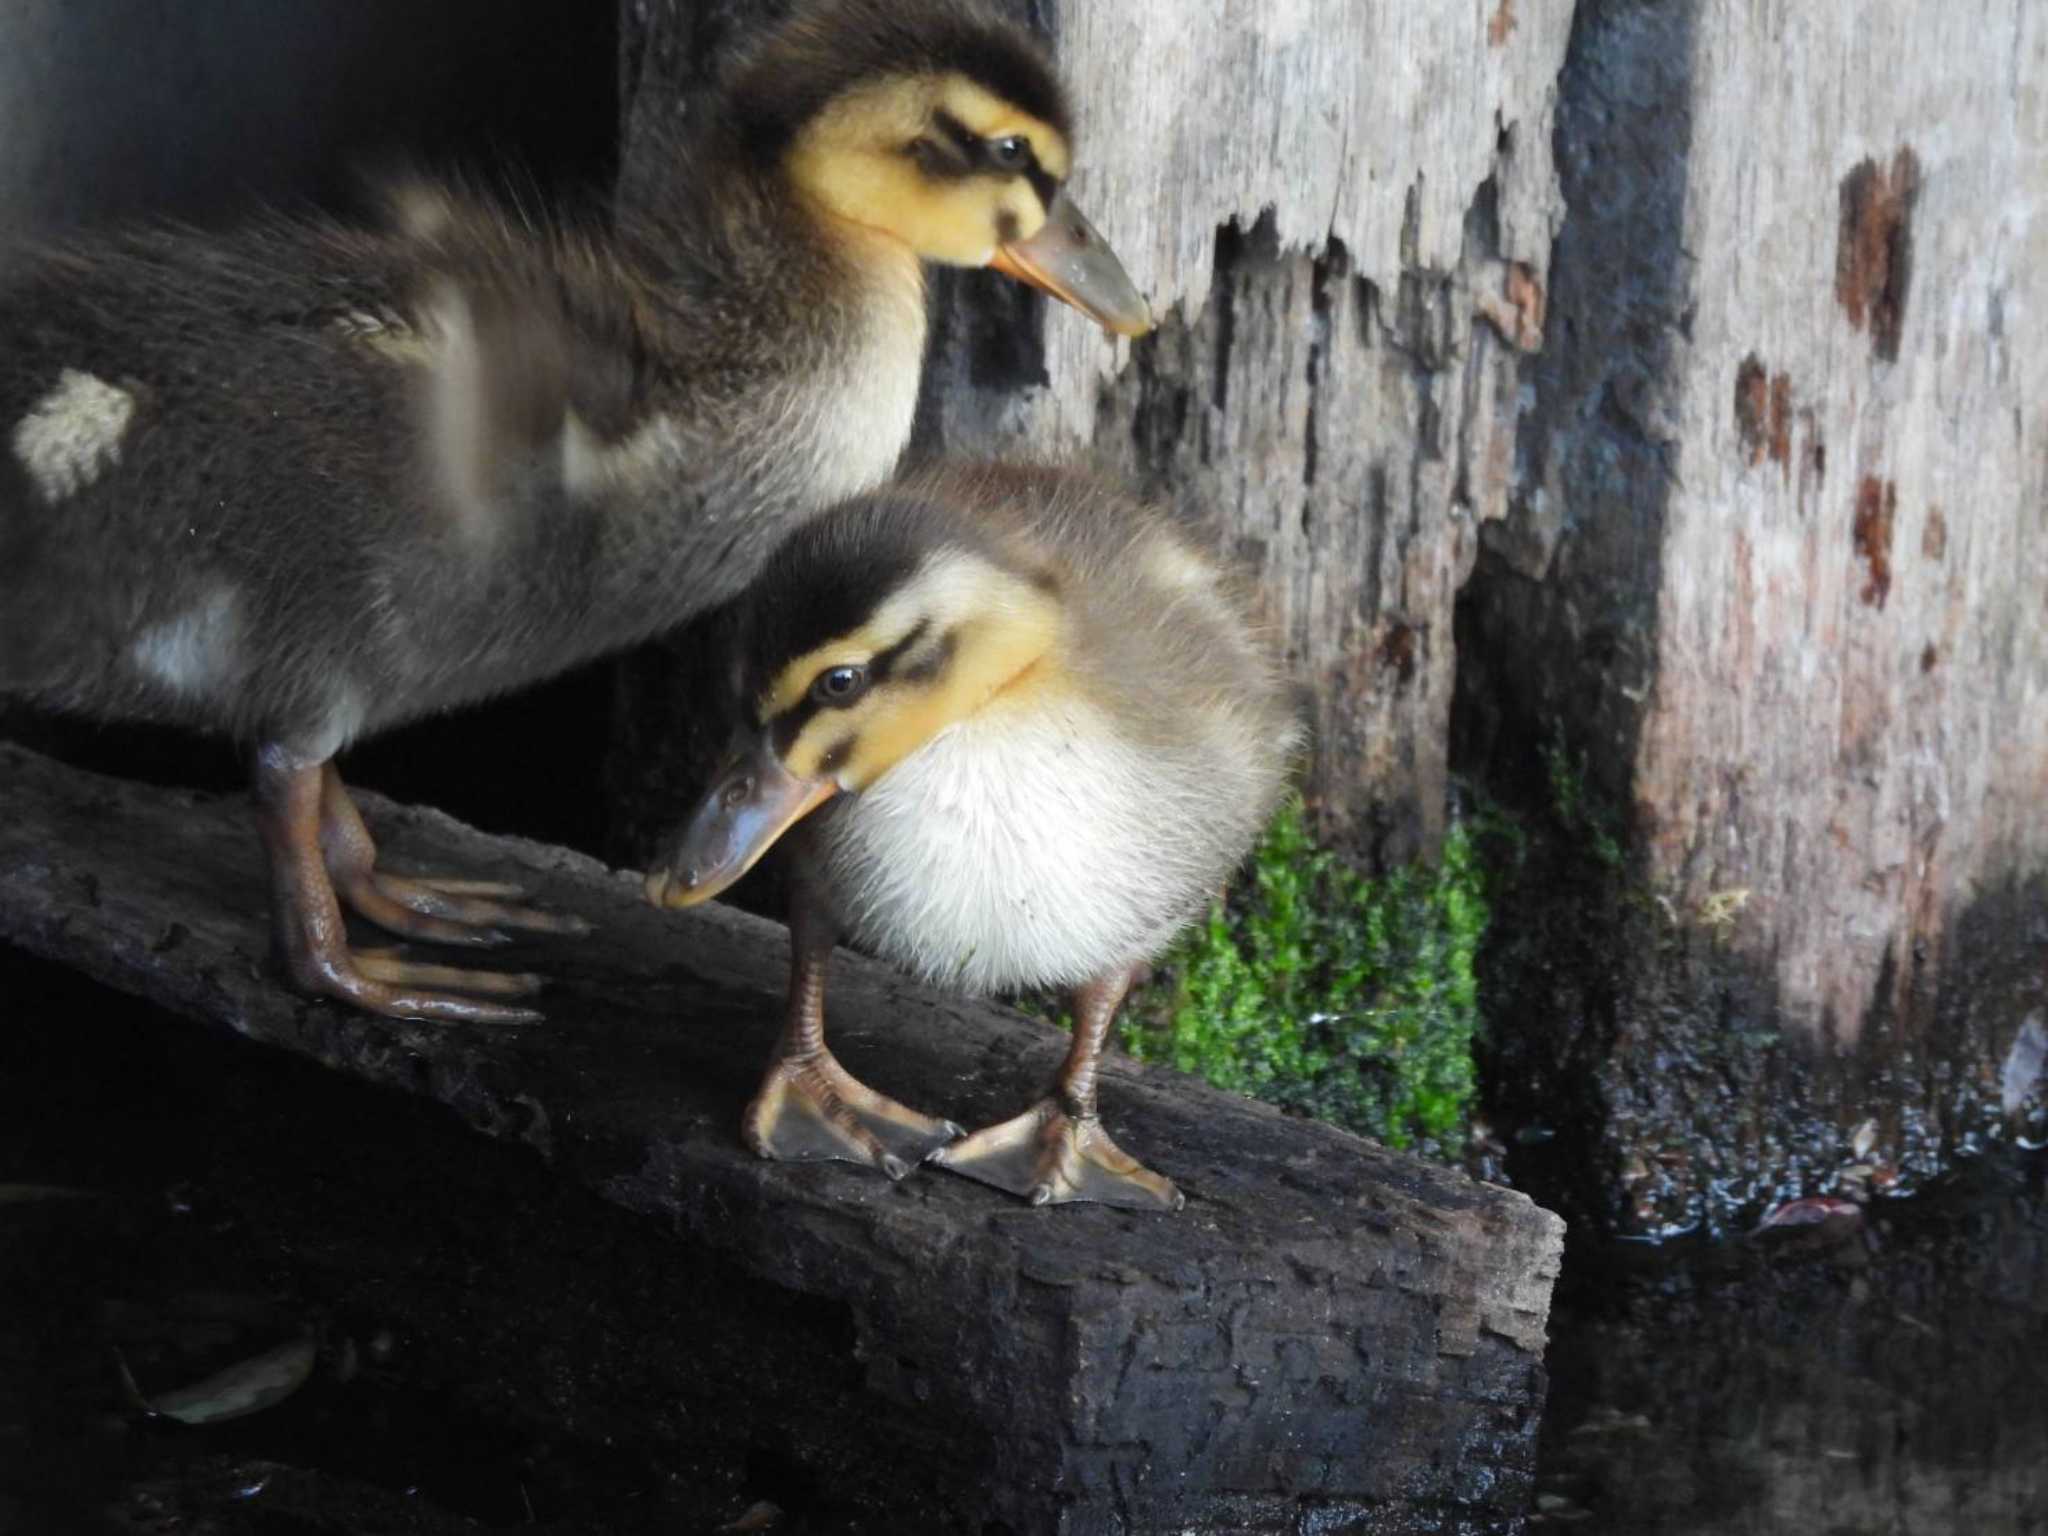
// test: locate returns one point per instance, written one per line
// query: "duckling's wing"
(540, 347)
(192, 423)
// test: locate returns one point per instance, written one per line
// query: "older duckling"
(1019, 730)
(308, 481)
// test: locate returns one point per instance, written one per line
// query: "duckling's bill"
(751, 804)
(1071, 261)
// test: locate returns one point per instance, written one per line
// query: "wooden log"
(1343, 217)
(1330, 1335)
(1775, 571)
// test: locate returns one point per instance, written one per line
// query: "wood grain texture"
(1775, 566)
(1848, 715)
(1328, 1328)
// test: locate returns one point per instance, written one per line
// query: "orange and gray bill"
(1070, 261)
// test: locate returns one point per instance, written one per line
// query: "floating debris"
(1612, 1421)
(762, 1516)
(28, 1194)
(260, 1382)
(2023, 1066)
(1809, 1212)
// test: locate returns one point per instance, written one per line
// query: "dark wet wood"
(1326, 1328)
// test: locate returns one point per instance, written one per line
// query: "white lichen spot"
(1718, 910)
(195, 652)
(73, 434)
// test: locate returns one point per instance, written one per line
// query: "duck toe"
(442, 911)
(1053, 1158)
(811, 1108)
(379, 981)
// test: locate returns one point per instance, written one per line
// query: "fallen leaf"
(249, 1386)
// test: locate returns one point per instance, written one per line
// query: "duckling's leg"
(307, 926)
(1057, 1150)
(434, 910)
(811, 1107)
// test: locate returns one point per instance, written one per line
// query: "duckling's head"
(872, 631)
(941, 127)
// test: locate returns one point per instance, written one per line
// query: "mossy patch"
(1325, 991)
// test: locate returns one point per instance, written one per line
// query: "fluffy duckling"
(1018, 729)
(306, 481)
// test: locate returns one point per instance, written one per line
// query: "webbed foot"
(432, 909)
(811, 1108)
(443, 911)
(308, 824)
(377, 981)
(1051, 1157)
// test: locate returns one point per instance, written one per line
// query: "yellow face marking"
(886, 629)
(1001, 630)
(988, 116)
(851, 159)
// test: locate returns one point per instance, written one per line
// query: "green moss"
(1579, 812)
(1321, 990)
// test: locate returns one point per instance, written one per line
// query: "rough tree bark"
(1775, 568)
(1343, 215)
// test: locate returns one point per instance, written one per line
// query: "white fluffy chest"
(860, 415)
(1010, 852)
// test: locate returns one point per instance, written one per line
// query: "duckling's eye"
(1011, 153)
(840, 685)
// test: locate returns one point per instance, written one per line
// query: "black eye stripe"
(885, 662)
(1047, 187)
(939, 160)
(965, 139)
(975, 153)
(933, 662)
(787, 727)
(836, 755)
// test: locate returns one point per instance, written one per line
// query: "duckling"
(305, 481)
(1018, 729)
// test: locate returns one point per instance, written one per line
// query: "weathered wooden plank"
(1328, 1333)
(1777, 563)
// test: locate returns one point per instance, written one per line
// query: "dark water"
(221, 1199)
(1883, 1373)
